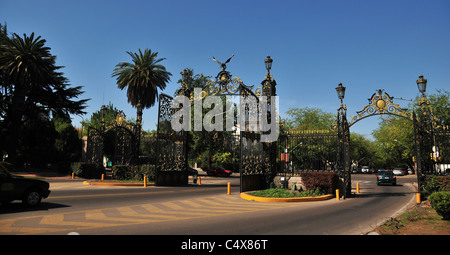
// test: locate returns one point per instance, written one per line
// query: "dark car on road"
(218, 171)
(386, 176)
(30, 191)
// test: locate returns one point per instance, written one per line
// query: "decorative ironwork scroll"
(380, 104)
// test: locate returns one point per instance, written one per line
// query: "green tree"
(32, 87)
(95, 121)
(363, 152)
(309, 118)
(395, 142)
(142, 78)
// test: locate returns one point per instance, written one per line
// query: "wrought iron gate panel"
(441, 150)
(171, 152)
(309, 151)
(120, 143)
(257, 158)
(94, 150)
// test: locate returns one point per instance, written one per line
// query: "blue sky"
(366, 45)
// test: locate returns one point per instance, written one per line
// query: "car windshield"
(385, 172)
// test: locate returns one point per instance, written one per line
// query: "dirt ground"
(419, 220)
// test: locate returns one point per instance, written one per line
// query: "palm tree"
(31, 88)
(26, 64)
(142, 78)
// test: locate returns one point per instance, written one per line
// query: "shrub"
(120, 172)
(326, 182)
(440, 201)
(149, 171)
(133, 172)
(87, 170)
(434, 183)
(282, 193)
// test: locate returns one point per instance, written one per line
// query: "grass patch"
(127, 181)
(419, 220)
(283, 193)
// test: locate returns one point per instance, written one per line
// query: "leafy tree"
(67, 142)
(96, 118)
(394, 145)
(31, 88)
(309, 118)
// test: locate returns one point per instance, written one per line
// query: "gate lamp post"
(421, 84)
(268, 62)
(340, 90)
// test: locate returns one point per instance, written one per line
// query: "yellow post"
(145, 181)
(199, 181)
(103, 177)
(337, 194)
(357, 188)
(229, 188)
(418, 198)
(73, 175)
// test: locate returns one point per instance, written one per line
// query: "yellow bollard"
(337, 194)
(145, 181)
(199, 181)
(418, 198)
(229, 188)
(357, 188)
(103, 177)
(73, 175)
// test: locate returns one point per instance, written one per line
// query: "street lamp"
(268, 62)
(421, 84)
(340, 90)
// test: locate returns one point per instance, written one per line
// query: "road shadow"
(18, 207)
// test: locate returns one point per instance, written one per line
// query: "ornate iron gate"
(94, 150)
(120, 146)
(118, 142)
(257, 167)
(171, 150)
(257, 157)
(432, 143)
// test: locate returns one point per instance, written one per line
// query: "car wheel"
(32, 198)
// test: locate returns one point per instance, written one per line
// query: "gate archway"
(430, 139)
(257, 156)
(117, 143)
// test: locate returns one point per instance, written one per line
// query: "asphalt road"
(202, 210)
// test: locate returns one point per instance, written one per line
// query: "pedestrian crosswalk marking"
(134, 214)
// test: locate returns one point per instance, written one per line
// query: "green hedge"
(440, 201)
(326, 182)
(131, 172)
(87, 170)
(435, 183)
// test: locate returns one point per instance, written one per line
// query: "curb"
(116, 184)
(246, 196)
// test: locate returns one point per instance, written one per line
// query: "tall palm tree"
(26, 64)
(142, 78)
